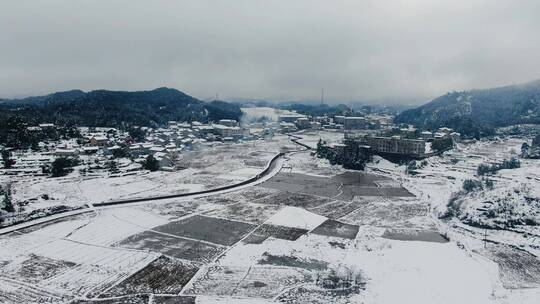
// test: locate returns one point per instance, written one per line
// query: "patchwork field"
(313, 233)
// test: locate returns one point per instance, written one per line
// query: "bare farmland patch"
(164, 275)
(131, 299)
(255, 239)
(248, 212)
(210, 229)
(336, 209)
(255, 193)
(172, 246)
(175, 208)
(174, 300)
(517, 268)
(294, 199)
(256, 281)
(314, 295)
(414, 235)
(349, 192)
(280, 232)
(344, 186)
(217, 280)
(292, 261)
(302, 183)
(386, 214)
(336, 229)
(359, 179)
(38, 268)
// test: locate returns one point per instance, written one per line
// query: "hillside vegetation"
(477, 113)
(104, 108)
(117, 108)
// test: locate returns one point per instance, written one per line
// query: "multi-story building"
(394, 145)
(303, 123)
(355, 123)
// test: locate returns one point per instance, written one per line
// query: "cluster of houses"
(294, 122)
(375, 132)
(164, 144)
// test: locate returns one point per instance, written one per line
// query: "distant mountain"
(116, 108)
(477, 112)
(57, 97)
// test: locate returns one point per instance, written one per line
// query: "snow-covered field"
(260, 244)
(206, 168)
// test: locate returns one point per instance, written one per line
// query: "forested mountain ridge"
(477, 112)
(116, 108)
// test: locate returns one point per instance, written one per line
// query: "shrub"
(6, 199)
(485, 169)
(442, 144)
(62, 166)
(6, 158)
(470, 185)
(488, 183)
(151, 163)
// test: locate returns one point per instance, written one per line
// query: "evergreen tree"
(62, 166)
(6, 158)
(151, 163)
(6, 200)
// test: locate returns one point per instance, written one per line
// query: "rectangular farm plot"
(37, 268)
(386, 213)
(294, 199)
(337, 229)
(361, 179)
(209, 229)
(256, 281)
(349, 192)
(414, 235)
(131, 299)
(173, 246)
(302, 183)
(336, 209)
(247, 212)
(174, 300)
(164, 276)
(279, 232)
(343, 186)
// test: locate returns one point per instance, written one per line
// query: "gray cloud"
(356, 50)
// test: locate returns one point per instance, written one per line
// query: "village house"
(228, 122)
(99, 141)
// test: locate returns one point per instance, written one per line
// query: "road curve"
(271, 169)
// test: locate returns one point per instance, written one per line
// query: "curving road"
(272, 168)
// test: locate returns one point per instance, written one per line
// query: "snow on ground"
(208, 167)
(423, 272)
(80, 256)
(241, 174)
(311, 138)
(229, 300)
(296, 218)
(115, 224)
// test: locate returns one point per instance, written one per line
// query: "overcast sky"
(356, 50)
